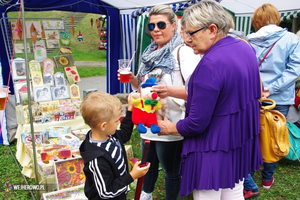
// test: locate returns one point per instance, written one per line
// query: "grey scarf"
(161, 58)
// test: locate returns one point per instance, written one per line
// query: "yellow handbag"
(274, 135)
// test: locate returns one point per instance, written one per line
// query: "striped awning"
(243, 22)
(289, 15)
(128, 44)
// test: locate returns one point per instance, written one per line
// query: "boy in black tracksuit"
(103, 152)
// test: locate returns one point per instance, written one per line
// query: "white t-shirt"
(174, 109)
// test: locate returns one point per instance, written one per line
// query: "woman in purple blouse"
(221, 125)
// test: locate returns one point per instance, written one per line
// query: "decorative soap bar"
(56, 152)
(40, 137)
(69, 139)
(58, 130)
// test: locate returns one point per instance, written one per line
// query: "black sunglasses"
(192, 33)
(160, 25)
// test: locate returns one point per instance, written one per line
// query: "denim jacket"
(281, 68)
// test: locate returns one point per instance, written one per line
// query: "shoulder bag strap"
(260, 64)
(266, 54)
(178, 60)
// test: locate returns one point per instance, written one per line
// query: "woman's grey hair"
(206, 13)
(164, 10)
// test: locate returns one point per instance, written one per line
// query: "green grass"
(9, 173)
(43, 14)
(286, 185)
(86, 50)
(86, 71)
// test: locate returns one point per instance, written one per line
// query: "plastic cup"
(3, 96)
(124, 70)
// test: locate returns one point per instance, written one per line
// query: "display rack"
(4, 24)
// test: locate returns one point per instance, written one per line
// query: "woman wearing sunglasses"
(221, 124)
(160, 60)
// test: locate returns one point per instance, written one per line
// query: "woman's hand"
(161, 90)
(132, 79)
(167, 127)
(266, 93)
(164, 91)
(130, 74)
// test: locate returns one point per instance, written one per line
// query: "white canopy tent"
(125, 6)
(243, 11)
(132, 13)
(242, 7)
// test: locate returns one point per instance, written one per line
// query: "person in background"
(160, 60)
(234, 33)
(221, 125)
(294, 114)
(103, 152)
(279, 70)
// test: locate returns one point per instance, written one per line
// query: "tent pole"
(29, 96)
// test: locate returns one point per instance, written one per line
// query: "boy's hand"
(137, 171)
(135, 95)
(129, 99)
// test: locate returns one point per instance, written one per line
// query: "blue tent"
(90, 6)
(121, 31)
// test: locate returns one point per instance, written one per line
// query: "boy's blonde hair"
(99, 107)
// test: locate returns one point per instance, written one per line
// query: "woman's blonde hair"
(99, 107)
(265, 15)
(164, 10)
(206, 13)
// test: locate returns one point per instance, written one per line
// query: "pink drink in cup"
(124, 70)
(3, 96)
(124, 76)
